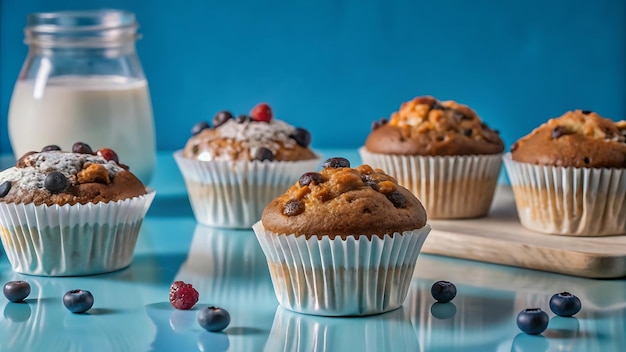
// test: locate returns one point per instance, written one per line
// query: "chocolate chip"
(336, 163)
(263, 154)
(199, 127)
(309, 177)
(293, 207)
(587, 112)
(301, 136)
(55, 182)
(437, 106)
(559, 131)
(5, 187)
(369, 181)
(397, 199)
(375, 125)
(243, 118)
(50, 147)
(82, 148)
(467, 132)
(221, 117)
(586, 160)
(383, 121)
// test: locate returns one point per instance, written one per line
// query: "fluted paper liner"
(341, 277)
(72, 240)
(448, 186)
(232, 194)
(567, 200)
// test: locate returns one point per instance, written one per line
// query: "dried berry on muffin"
(257, 136)
(427, 126)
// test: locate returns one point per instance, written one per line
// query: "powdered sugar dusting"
(38, 165)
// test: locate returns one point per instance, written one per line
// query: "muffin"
(568, 176)
(343, 241)
(70, 213)
(442, 152)
(233, 168)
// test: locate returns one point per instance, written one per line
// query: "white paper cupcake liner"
(72, 240)
(338, 277)
(449, 187)
(219, 257)
(234, 194)
(567, 200)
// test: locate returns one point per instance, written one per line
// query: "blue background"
(334, 66)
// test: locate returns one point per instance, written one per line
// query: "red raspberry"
(182, 295)
(108, 154)
(261, 112)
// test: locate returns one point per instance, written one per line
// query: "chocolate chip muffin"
(568, 176)
(441, 151)
(236, 165)
(334, 237)
(426, 126)
(577, 139)
(70, 213)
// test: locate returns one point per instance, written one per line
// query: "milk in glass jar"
(82, 81)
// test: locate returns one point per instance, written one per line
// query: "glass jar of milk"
(82, 81)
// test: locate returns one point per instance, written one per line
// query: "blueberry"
(398, 200)
(199, 127)
(55, 182)
(221, 117)
(50, 147)
(5, 187)
(16, 291)
(309, 177)
(532, 321)
(78, 301)
(443, 291)
(302, 137)
(336, 163)
(565, 304)
(243, 118)
(263, 154)
(293, 207)
(82, 148)
(214, 319)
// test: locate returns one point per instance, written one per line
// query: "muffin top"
(578, 138)
(257, 136)
(343, 201)
(429, 127)
(79, 177)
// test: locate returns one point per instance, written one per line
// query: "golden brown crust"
(426, 126)
(346, 202)
(575, 139)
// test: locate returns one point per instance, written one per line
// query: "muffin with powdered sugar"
(70, 213)
(235, 165)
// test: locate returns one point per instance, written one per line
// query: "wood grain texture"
(500, 238)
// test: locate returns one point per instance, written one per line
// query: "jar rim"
(89, 20)
(90, 28)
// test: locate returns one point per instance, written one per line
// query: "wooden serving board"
(500, 238)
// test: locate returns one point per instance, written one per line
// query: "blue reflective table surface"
(132, 311)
